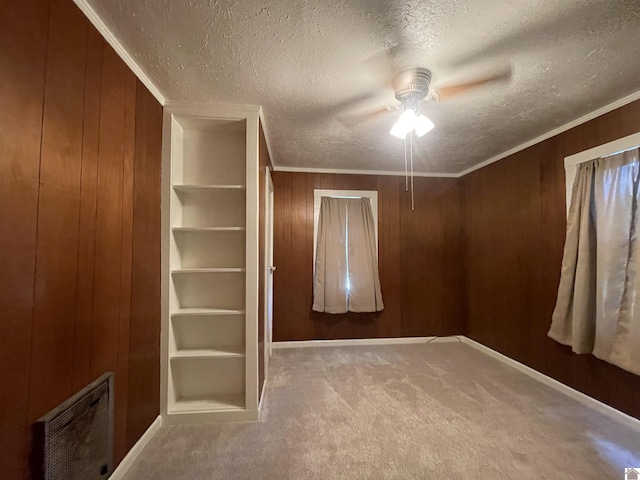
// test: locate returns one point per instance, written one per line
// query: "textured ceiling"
(300, 59)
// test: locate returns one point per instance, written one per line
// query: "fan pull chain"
(406, 169)
(411, 147)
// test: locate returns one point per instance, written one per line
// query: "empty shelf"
(214, 403)
(208, 270)
(217, 352)
(200, 188)
(208, 229)
(205, 311)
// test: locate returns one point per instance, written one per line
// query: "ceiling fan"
(412, 87)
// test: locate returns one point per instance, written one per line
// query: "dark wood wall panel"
(419, 259)
(80, 226)
(88, 199)
(515, 220)
(126, 263)
(53, 320)
(143, 404)
(21, 98)
(106, 294)
(431, 252)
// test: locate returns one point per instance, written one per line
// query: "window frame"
(605, 150)
(318, 193)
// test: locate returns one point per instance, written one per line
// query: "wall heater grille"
(75, 440)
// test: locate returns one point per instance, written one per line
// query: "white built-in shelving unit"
(210, 217)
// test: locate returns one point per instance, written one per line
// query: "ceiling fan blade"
(445, 93)
(362, 118)
(379, 69)
(383, 67)
(318, 115)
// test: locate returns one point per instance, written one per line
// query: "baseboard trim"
(536, 375)
(555, 384)
(365, 341)
(264, 394)
(130, 457)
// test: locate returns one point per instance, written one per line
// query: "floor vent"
(74, 441)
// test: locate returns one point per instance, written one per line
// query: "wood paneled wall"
(419, 259)
(515, 220)
(79, 226)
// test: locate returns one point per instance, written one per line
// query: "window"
(596, 310)
(346, 252)
(372, 195)
(571, 162)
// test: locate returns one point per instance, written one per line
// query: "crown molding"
(219, 110)
(142, 76)
(361, 172)
(111, 39)
(556, 131)
(552, 133)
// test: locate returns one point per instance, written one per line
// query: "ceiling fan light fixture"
(423, 125)
(405, 124)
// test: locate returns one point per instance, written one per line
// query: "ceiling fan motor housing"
(412, 85)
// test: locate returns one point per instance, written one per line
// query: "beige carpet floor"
(436, 411)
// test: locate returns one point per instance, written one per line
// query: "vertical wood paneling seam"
(95, 236)
(107, 47)
(90, 140)
(124, 329)
(35, 260)
(134, 225)
(84, 100)
(95, 211)
(133, 216)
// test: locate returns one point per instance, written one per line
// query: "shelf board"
(200, 188)
(208, 229)
(190, 312)
(217, 352)
(208, 270)
(205, 404)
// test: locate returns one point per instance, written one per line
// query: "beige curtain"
(346, 271)
(596, 310)
(330, 287)
(362, 266)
